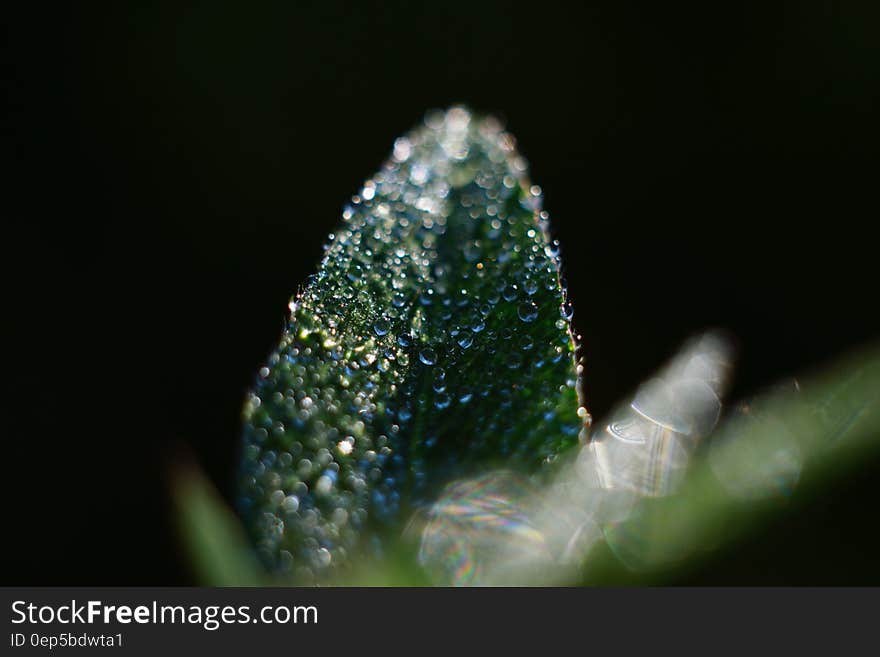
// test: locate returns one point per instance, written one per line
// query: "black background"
(175, 170)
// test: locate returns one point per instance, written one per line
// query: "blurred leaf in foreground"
(803, 438)
(211, 533)
(500, 530)
(643, 500)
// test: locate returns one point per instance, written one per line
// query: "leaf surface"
(433, 341)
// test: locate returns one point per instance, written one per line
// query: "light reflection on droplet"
(428, 356)
(528, 311)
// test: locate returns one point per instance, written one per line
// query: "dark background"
(175, 169)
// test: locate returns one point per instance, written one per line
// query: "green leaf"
(211, 533)
(783, 448)
(434, 341)
(401, 431)
(649, 496)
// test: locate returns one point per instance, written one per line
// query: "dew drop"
(528, 311)
(428, 356)
(382, 326)
(290, 504)
(566, 310)
(465, 339)
(323, 557)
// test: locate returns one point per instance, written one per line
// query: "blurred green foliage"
(430, 346)
(834, 418)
